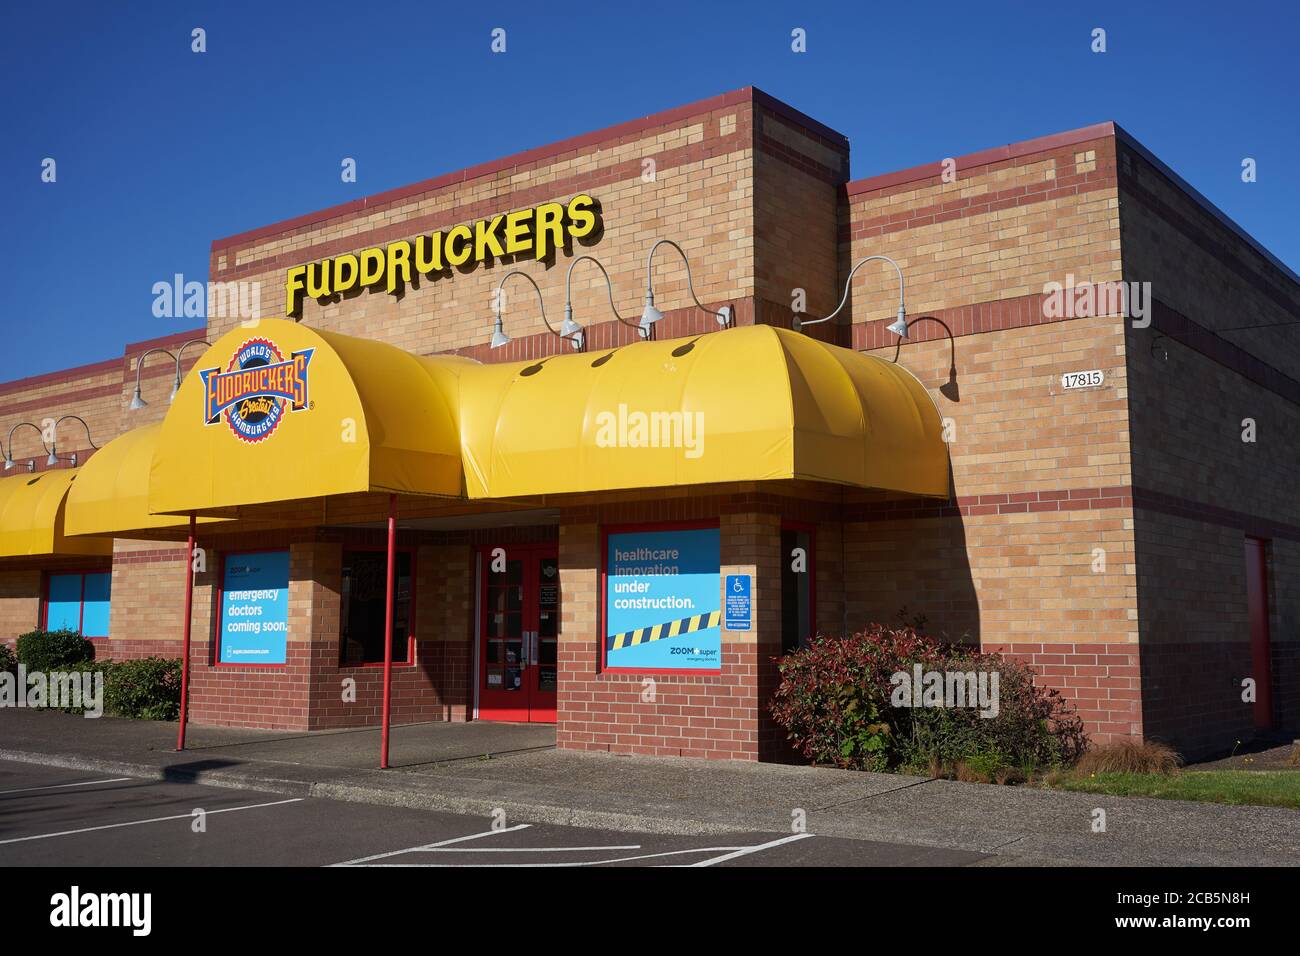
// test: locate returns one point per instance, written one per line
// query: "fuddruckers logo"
(256, 389)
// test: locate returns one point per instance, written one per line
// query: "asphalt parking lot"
(55, 817)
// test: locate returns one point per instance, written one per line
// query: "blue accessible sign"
(662, 600)
(255, 608)
(739, 608)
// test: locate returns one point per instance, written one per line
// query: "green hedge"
(144, 689)
(48, 651)
(838, 702)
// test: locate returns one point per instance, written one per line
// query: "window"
(796, 588)
(361, 628)
(79, 602)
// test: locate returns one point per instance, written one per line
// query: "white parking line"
(729, 853)
(59, 786)
(136, 823)
(524, 849)
(361, 861)
(746, 851)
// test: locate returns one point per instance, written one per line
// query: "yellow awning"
(31, 517)
(345, 415)
(111, 495)
(750, 404)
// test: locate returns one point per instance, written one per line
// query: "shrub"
(146, 689)
(835, 701)
(1128, 755)
(8, 663)
(49, 651)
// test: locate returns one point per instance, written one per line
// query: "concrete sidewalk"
(478, 767)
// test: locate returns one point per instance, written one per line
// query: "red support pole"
(185, 643)
(388, 632)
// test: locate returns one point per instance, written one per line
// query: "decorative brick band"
(157, 556)
(467, 212)
(1070, 499)
(1003, 155)
(1147, 499)
(966, 506)
(962, 207)
(1222, 252)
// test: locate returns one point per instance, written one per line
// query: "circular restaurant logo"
(256, 390)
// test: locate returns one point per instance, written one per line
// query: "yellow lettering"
(318, 279)
(372, 267)
(549, 234)
(485, 237)
(346, 270)
(428, 254)
(582, 218)
(399, 258)
(464, 236)
(293, 289)
(517, 231)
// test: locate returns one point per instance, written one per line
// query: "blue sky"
(161, 150)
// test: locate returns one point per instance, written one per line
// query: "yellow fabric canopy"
(749, 404)
(31, 517)
(277, 411)
(111, 495)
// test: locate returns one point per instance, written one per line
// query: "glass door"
(520, 625)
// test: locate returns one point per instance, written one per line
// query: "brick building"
(1130, 533)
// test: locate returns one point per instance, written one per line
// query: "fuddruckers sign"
(538, 232)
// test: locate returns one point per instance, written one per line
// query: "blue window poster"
(255, 608)
(662, 603)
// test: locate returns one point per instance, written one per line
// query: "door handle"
(532, 653)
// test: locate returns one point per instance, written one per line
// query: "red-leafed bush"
(841, 704)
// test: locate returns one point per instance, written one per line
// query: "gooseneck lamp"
(898, 326)
(9, 452)
(137, 400)
(650, 315)
(499, 337)
(570, 327)
(55, 457)
(176, 385)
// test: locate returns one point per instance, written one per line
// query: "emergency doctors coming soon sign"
(662, 607)
(255, 608)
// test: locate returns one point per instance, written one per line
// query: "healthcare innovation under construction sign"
(662, 604)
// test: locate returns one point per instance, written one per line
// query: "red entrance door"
(1260, 649)
(519, 627)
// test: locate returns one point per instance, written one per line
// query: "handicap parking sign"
(737, 604)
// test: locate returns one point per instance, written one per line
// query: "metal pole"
(185, 644)
(388, 632)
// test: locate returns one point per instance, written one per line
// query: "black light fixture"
(650, 315)
(8, 452)
(137, 400)
(176, 385)
(499, 337)
(55, 457)
(898, 326)
(570, 327)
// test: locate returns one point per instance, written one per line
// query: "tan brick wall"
(1200, 488)
(998, 231)
(701, 196)
(20, 603)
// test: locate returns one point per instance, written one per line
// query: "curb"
(358, 792)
